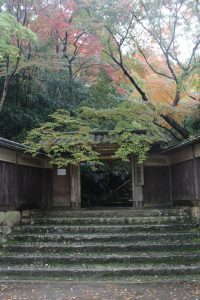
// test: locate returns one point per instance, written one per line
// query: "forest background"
(89, 65)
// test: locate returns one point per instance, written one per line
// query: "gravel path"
(99, 291)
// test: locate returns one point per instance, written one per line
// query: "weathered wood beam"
(75, 187)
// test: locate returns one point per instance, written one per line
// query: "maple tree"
(76, 49)
(137, 43)
(67, 139)
(165, 24)
(62, 44)
(137, 26)
(14, 39)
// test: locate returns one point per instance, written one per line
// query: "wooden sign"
(61, 172)
(139, 174)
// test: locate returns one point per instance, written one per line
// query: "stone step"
(100, 260)
(114, 237)
(102, 247)
(107, 213)
(102, 228)
(97, 273)
(106, 221)
(134, 279)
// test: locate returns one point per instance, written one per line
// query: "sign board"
(61, 172)
(139, 174)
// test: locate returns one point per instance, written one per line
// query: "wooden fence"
(27, 183)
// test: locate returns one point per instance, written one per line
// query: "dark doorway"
(108, 186)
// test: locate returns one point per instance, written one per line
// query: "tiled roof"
(101, 139)
(190, 141)
(11, 145)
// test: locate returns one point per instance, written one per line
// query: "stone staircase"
(110, 245)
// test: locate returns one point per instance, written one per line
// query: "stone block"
(26, 213)
(75, 205)
(2, 217)
(12, 218)
(5, 230)
(195, 214)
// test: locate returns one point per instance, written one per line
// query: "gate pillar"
(75, 202)
(137, 182)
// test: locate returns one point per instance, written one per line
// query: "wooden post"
(137, 182)
(16, 182)
(170, 184)
(62, 187)
(43, 187)
(75, 187)
(195, 174)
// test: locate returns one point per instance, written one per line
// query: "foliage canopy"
(11, 32)
(70, 139)
(120, 59)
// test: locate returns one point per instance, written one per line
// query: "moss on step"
(103, 246)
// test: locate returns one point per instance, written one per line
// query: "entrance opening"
(108, 186)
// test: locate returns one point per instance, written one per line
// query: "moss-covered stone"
(12, 218)
(103, 245)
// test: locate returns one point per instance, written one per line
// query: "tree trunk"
(4, 93)
(176, 99)
(18, 86)
(144, 97)
(175, 125)
(70, 79)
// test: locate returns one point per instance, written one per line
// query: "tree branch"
(150, 65)
(174, 124)
(170, 131)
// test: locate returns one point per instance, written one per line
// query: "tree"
(166, 23)
(103, 92)
(137, 26)
(76, 50)
(71, 139)
(22, 10)
(113, 50)
(15, 39)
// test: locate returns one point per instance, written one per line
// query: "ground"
(99, 291)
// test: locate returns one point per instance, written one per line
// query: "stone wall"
(7, 221)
